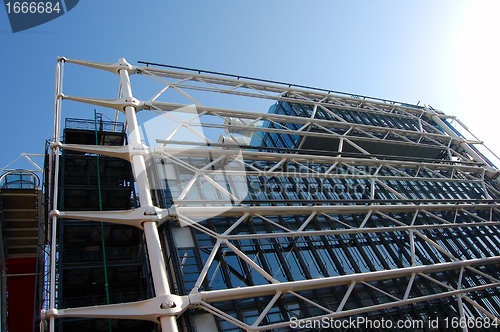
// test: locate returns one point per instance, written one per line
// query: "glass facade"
(325, 244)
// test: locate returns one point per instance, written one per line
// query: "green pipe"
(106, 285)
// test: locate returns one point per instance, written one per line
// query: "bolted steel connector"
(168, 304)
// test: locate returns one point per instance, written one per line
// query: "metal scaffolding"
(21, 198)
(330, 206)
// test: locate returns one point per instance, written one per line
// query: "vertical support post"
(55, 177)
(341, 146)
(372, 189)
(3, 291)
(412, 248)
(156, 261)
(460, 302)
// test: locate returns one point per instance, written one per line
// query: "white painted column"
(54, 172)
(156, 261)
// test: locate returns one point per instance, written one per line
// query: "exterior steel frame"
(466, 165)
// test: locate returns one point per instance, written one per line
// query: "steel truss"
(405, 255)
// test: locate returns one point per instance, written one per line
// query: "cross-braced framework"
(328, 208)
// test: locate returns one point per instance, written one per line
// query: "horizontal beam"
(306, 158)
(27, 229)
(12, 247)
(24, 255)
(332, 175)
(240, 79)
(119, 104)
(355, 231)
(29, 192)
(278, 88)
(202, 211)
(399, 303)
(125, 152)
(296, 286)
(287, 119)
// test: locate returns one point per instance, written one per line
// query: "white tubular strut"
(156, 261)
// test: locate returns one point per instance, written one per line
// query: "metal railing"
(19, 179)
(85, 124)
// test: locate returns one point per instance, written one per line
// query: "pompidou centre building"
(322, 211)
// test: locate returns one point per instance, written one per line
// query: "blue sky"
(439, 52)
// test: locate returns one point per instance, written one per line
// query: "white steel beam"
(328, 209)
(125, 152)
(277, 118)
(280, 90)
(362, 310)
(270, 289)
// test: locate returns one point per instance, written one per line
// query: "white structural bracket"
(152, 309)
(117, 104)
(111, 67)
(123, 152)
(134, 217)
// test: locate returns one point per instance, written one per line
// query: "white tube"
(156, 261)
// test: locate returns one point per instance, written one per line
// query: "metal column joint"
(135, 217)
